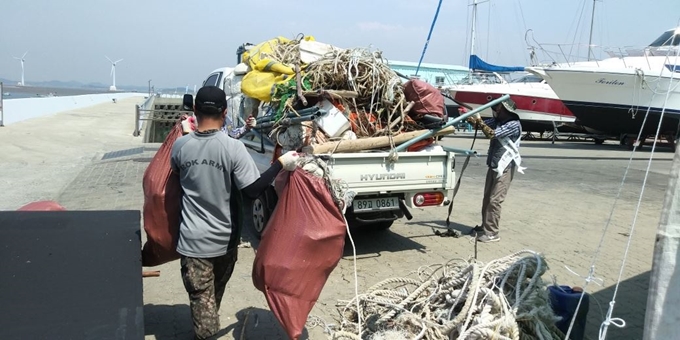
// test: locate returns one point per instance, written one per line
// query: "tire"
(260, 215)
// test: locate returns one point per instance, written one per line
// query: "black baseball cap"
(211, 97)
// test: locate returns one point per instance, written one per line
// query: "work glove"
(289, 160)
(472, 120)
(250, 123)
(188, 125)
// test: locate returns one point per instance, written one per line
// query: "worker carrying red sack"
(212, 171)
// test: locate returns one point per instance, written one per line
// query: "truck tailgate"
(373, 173)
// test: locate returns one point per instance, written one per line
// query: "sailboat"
(538, 106)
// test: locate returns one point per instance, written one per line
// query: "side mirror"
(188, 102)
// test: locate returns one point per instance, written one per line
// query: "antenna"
(22, 59)
(113, 72)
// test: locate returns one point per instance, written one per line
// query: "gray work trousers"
(495, 190)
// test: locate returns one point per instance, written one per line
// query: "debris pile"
(304, 93)
(462, 299)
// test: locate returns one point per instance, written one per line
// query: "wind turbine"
(113, 72)
(22, 67)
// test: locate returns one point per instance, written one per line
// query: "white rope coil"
(462, 299)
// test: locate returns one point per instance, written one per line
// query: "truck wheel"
(381, 225)
(260, 214)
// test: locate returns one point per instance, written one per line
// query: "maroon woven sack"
(300, 247)
(427, 100)
(162, 195)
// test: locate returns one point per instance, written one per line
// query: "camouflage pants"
(205, 279)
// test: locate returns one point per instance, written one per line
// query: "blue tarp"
(479, 65)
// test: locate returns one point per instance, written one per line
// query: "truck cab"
(216, 76)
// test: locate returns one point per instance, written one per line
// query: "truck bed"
(371, 174)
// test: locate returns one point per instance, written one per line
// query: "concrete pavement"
(558, 207)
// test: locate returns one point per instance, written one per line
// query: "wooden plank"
(356, 145)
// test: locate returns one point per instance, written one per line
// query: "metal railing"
(138, 109)
(145, 115)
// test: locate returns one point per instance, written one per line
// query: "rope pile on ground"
(462, 299)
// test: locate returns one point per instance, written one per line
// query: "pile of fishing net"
(462, 299)
(315, 93)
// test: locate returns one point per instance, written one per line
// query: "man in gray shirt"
(214, 170)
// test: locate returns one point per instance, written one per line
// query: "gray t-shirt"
(206, 164)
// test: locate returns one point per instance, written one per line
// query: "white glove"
(186, 126)
(478, 116)
(289, 160)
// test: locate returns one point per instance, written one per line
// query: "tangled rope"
(288, 52)
(462, 299)
(380, 103)
(358, 81)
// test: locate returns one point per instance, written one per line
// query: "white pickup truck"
(384, 190)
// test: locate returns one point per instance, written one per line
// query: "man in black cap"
(214, 170)
(503, 159)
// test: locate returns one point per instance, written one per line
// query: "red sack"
(42, 206)
(300, 247)
(162, 195)
(426, 98)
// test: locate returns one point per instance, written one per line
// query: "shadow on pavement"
(631, 304)
(440, 225)
(168, 322)
(373, 242)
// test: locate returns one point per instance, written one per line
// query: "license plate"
(372, 204)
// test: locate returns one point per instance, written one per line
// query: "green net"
(286, 91)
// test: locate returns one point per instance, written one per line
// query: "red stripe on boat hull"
(527, 103)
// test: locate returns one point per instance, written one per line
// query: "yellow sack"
(265, 71)
(264, 50)
(261, 51)
(270, 65)
(259, 85)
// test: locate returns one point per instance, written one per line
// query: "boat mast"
(472, 39)
(592, 22)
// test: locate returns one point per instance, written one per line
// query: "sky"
(178, 43)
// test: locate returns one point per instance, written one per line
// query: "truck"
(385, 190)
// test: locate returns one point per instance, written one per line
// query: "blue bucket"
(564, 300)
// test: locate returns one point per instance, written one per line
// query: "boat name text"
(609, 82)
